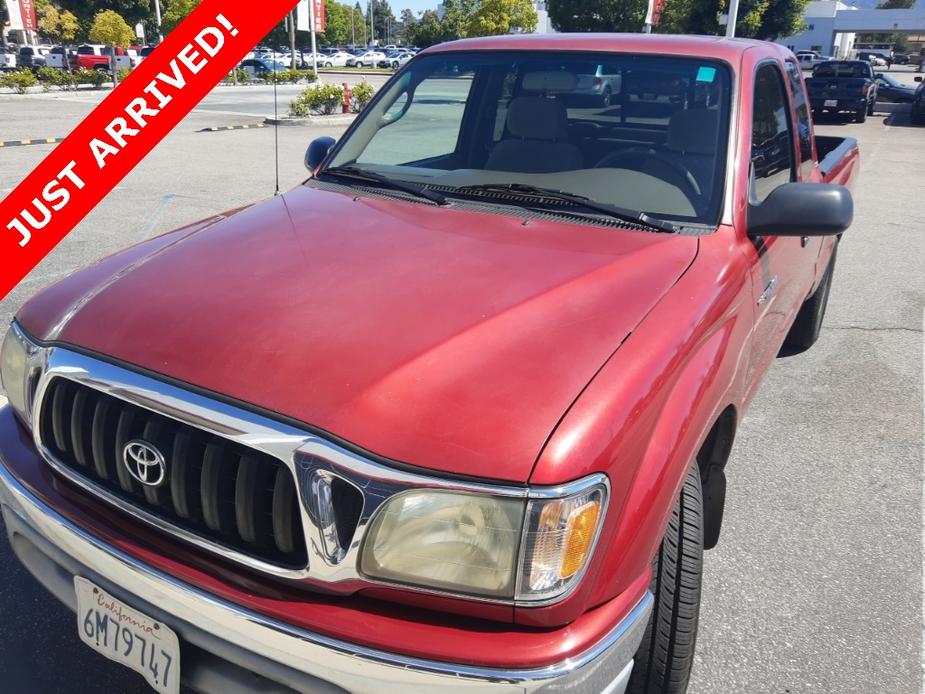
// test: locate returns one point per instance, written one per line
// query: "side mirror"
(802, 209)
(917, 79)
(317, 151)
(878, 75)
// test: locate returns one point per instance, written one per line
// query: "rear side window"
(772, 138)
(804, 129)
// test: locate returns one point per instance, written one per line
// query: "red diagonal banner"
(119, 132)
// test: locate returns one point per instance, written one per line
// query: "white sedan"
(367, 59)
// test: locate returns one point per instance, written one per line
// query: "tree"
(111, 30)
(427, 31)
(760, 19)
(133, 11)
(337, 23)
(495, 17)
(60, 27)
(176, 12)
(360, 25)
(597, 15)
(383, 20)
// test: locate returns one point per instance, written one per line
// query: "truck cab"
(454, 414)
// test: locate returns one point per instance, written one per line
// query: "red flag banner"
(127, 125)
(27, 8)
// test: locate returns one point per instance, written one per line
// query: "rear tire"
(665, 656)
(860, 116)
(870, 108)
(808, 324)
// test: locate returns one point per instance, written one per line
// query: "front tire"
(870, 108)
(808, 324)
(666, 655)
(860, 116)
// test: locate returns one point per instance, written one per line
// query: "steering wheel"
(637, 159)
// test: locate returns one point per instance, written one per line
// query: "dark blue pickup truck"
(839, 86)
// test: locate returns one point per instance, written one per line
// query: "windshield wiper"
(355, 172)
(621, 213)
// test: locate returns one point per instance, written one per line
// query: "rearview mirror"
(317, 151)
(802, 209)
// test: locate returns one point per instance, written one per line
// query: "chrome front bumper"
(233, 640)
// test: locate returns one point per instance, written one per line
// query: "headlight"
(532, 549)
(464, 543)
(15, 370)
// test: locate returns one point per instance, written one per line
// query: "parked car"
(918, 103)
(366, 59)
(600, 87)
(891, 89)
(354, 438)
(337, 59)
(900, 59)
(839, 86)
(32, 56)
(8, 57)
(395, 59)
(259, 67)
(810, 59)
(875, 59)
(93, 57)
(145, 52)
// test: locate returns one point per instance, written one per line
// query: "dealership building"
(833, 27)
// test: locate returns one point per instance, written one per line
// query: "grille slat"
(80, 425)
(216, 489)
(283, 516)
(182, 489)
(124, 431)
(103, 431)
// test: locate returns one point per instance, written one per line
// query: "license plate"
(830, 103)
(125, 635)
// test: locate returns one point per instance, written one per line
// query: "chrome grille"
(216, 488)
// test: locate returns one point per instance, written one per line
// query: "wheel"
(607, 96)
(329, 64)
(806, 327)
(665, 656)
(394, 64)
(860, 116)
(870, 108)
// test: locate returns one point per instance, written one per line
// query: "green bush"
(289, 76)
(94, 77)
(122, 73)
(66, 80)
(242, 75)
(19, 81)
(48, 77)
(361, 95)
(322, 99)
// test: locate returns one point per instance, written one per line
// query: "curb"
(345, 119)
(220, 128)
(23, 143)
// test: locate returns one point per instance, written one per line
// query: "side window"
(772, 138)
(437, 107)
(804, 130)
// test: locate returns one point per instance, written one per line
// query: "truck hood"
(443, 338)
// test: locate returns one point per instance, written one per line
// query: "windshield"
(641, 132)
(889, 80)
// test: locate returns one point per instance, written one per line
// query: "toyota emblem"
(145, 463)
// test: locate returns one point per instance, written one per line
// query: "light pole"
(731, 19)
(157, 16)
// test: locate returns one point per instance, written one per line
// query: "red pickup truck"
(452, 415)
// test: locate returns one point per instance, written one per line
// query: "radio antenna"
(276, 124)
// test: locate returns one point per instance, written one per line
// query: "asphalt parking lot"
(817, 583)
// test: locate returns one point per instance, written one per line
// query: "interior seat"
(692, 141)
(538, 130)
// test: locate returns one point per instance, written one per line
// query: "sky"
(415, 5)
